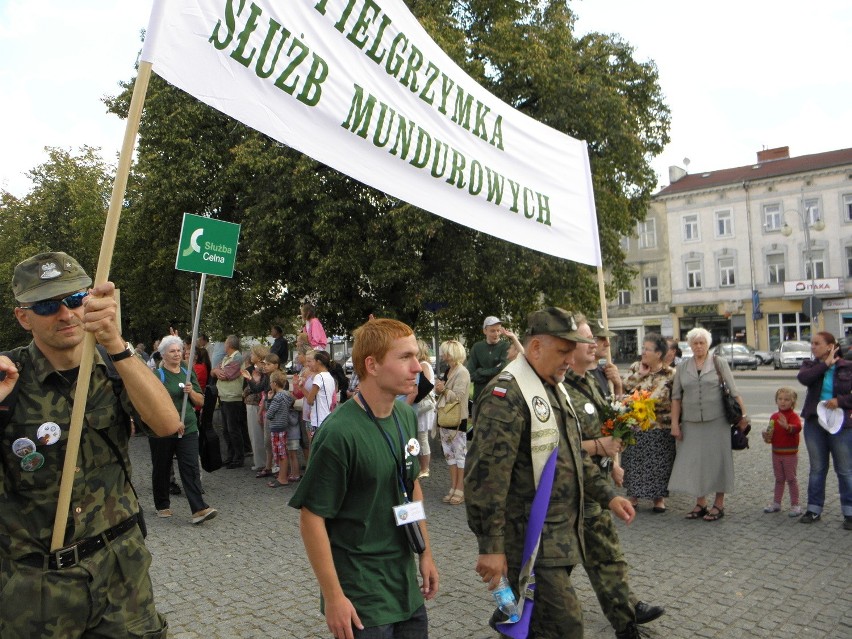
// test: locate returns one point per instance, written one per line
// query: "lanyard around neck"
(397, 461)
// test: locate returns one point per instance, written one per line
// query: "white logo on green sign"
(208, 246)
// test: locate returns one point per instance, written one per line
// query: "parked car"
(763, 357)
(791, 354)
(685, 349)
(737, 356)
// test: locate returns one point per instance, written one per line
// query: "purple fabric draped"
(521, 628)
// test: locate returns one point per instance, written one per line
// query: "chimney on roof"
(676, 173)
(768, 155)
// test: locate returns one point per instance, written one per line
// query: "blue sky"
(738, 76)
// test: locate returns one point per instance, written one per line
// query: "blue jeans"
(415, 627)
(820, 444)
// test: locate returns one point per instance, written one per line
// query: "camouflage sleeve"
(596, 485)
(500, 424)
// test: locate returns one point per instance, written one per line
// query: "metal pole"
(810, 257)
(195, 325)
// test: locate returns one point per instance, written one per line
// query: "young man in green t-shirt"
(363, 464)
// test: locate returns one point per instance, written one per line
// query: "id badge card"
(408, 513)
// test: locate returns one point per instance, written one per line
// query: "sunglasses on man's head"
(51, 307)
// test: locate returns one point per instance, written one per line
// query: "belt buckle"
(73, 557)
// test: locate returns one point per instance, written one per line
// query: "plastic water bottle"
(505, 599)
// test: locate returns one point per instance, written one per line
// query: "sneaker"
(165, 512)
(847, 522)
(810, 517)
(795, 511)
(275, 470)
(203, 515)
(773, 508)
(423, 474)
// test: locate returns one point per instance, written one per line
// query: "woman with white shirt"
(322, 393)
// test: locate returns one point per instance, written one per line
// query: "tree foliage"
(309, 232)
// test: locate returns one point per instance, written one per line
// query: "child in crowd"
(783, 434)
(278, 417)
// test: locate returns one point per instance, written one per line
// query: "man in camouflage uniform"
(604, 563)
(97, 585)
(499, 481)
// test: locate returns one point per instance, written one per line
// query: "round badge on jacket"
(541, 409)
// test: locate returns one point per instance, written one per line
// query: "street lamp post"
(818, 225)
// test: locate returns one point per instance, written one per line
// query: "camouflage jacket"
(587, 401)
(499, 483)
(101, 497)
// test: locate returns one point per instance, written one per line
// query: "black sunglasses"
(51, 307)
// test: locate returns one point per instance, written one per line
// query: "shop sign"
(823, 286)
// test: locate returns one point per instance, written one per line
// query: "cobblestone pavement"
(244, 574)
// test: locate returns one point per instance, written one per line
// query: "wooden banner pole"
(119, 187)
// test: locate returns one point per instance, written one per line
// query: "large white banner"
(361, 87)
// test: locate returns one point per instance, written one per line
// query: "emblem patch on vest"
(541, 409)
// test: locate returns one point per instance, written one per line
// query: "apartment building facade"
(748, 248)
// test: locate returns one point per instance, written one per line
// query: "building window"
(726, 271)
(772, 220)
(649, 284)
(812, 211)
(624, 297)
(849, 261)
(693, 274)
(724, 224)
(775, 269)
(784, 327)
(818, 260)
(847, 207)
(647, 234)
(690, 228)
(625, 243)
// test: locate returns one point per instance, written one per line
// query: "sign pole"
(195, 325)
(119, 187)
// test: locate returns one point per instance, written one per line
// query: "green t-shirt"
(352, 482)
(484, 362)
(171, 381)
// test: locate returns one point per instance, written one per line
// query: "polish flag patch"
(498, 392)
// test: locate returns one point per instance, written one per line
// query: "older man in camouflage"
(500, 483)
(97, 584)
(604, 561)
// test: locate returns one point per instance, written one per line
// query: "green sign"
(207, 246)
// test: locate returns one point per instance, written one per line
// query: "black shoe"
(810, 517)
(235, 465)
(174, 489)
(646, 613)
(847, 522)
(631, 632)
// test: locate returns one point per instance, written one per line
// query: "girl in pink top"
(313, 328)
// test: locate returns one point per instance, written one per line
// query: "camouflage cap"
(557, 322)
(48, 275)
(599, 330)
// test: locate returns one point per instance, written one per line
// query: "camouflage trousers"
(607, 570)
(107, 595)
(557, 613)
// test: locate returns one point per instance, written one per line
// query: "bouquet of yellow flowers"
(633, 414)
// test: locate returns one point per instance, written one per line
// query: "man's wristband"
(127, 352)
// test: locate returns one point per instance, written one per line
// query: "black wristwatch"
(127, 352)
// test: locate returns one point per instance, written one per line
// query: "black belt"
(72, 555)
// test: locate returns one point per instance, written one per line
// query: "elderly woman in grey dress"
(704, 462)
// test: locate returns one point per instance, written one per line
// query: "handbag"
(449, 410)
(739, 438)
(732, 408)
